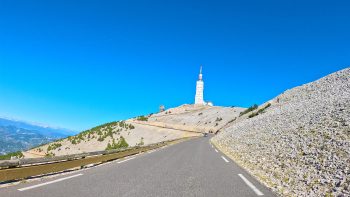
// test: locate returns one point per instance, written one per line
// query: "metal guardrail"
(12, 170)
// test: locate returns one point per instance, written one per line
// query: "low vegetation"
(53, 146)
(142, 118)
(251, 108)
(49, 154)
(260, 111)
(101, 132)
(8, 156)
(141, 143)
(120, 144)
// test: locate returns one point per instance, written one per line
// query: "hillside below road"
(190, 168)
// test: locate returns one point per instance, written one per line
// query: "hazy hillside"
(19, 135)
(14, 139)
(300, 145)
(43, 130)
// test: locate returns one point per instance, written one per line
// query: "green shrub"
(122, 124)
(260, 111)
(251, 108)
(142, 118)
(8, 156)
(141, 142)
(53, 146)
(49, 154)
(121, 144)
(100, 139)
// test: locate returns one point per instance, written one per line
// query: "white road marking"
(216, 151)
(126, 160)
(224, 159)
(256, 190)
(47, 183)
(152, 151)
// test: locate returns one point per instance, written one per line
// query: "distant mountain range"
(19, 135)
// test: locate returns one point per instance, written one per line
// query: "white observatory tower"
(199, 90)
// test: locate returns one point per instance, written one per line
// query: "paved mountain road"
(190, 168)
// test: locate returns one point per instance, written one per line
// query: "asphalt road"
(190, 168)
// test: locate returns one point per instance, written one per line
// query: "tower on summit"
(199, 100)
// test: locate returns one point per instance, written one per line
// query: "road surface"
(190, 168)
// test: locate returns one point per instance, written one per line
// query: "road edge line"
(224, 159)
(256, 190)
(125, 160)
(50, 182)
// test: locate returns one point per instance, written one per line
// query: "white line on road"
(152, 151)
(256, 190)
(126, 160)
(216, 151)
(224, 159)
(50, 182)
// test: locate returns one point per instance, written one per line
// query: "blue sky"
(77, 64)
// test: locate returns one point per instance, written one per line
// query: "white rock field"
(300, 145)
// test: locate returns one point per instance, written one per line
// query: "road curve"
(190, 168)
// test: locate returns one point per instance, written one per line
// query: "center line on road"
(47, 183)
(216, 151)
(126, 160)
(224, 159)
(256, 190)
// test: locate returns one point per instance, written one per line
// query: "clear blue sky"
(77, 64)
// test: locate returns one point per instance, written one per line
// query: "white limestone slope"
(139, 135)
(175, 123)
(300, 146)
(196, 118)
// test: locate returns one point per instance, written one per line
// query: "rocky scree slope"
(300, 145)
